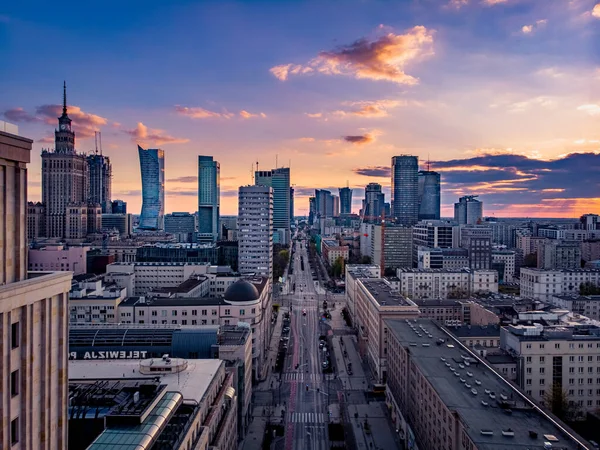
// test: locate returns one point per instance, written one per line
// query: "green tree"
(588, 288)
(338, 267)
(557, 400)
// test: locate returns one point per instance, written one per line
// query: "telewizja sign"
(118, 354)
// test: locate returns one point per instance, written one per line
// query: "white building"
(585, 305)
(255, 230)
(353, 273)
(93, 301)
(544, 284)
(508, 258)
(440, 284)
(568, 355)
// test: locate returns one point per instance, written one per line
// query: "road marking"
(306, 417)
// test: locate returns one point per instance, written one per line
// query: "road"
(306, 416)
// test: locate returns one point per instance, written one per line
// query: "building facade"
(279, 181)
(100, 171)
(434, 234)
(405, 189)
(209, 198)
(544, 284)
(443, 284)
(468, 210)
(429, 195)
(332, 250)
(255, 230)
(557, 254)
(55, 258)
(373, 206)
(182, 225)
(119, 207)
(152, 165)
(345, 200)
(477, 240)
(508, 260)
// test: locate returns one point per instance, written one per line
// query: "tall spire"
(64, 98)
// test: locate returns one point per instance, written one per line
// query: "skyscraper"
(33, 321)
(209, 198)
(429, 195)
(100, 171)
(312, 210)
(468, 210)
(279, 180)
(345, 200)
(405, 189)
(292, 213)
(152, 165)
(323, 203)
(255, 230)
(119, 207)
(336, 205)
(65, 177)
(374, 203)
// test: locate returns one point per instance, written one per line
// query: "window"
(528, 382)
(155, 313)
(243, 312)
(556, 345)
(542, 381)
(203, 321)
(542, 392)
(204, 312)
(141, 312)
(529, 370)
(14, 383)
(214, 312)
(253, 310)
(541, 345)
(184, 322)
(571, 359)
(542, 359)
(528, 346)
(542, 370)
(194, 312)
(163, 313)
(184, 313)
(14, 431)
(227, 312)
(14, 335)
(174, 312)
(528, 359)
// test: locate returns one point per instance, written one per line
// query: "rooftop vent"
(487, 432)
(508, 433)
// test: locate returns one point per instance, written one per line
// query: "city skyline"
(503, 97)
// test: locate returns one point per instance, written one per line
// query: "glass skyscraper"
(429, 195)
(345, 200)
(209, 194)
(152, 165)
(405, 189)
(279, 180)
(374, 203)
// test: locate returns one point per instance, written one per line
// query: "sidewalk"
(268, 376)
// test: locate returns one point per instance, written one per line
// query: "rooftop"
(462, 270)
(476, 331)
(161, 301)
(185, 287)
(383, 293)
(434, 302)
(581, 298)
(501, 358)
(232, 335)
(449, 366)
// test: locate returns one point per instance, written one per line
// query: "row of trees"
(281, 258)
(588, 288)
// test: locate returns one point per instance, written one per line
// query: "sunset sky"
(502, 96)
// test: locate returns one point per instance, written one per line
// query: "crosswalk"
(295, 376)
(306, 417)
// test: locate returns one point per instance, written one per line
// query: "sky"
(502, 97)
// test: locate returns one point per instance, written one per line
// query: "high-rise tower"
(279, 180)
(152, 164)
(345, 200)
(405, 189)
(255, 230)
(468, 210)
(209, 198)
(429, 195)
(374, 203)
(100, 171)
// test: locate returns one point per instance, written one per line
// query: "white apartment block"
(508, 257)
(567, 355)
(544, 284)
(440, 283)
(92, 301)
(255, 230)
(585, 305)
(353, 273)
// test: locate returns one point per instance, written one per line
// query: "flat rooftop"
(232, 335)
(581, 298)
(161, 301)
(192, 382)
(384, 294)
(435, 363)
(465, 331)
(436, 302)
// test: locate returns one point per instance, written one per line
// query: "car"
(322, 344)
(304, 312)
(325, 364)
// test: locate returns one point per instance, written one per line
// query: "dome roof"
(241, 291)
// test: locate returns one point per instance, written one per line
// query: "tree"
(558, 401)
(281, 257)
(338, 267)
(588, 288)
(530, 260)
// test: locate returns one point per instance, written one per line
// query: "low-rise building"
(55, 258)
(447, 312)
(556, 254)
(476, 336)
(544, 284)
(443, 284)
(442, 396)
(507, 260)
(332, 250)
(563, 355)
(585, 305)
(91, 300)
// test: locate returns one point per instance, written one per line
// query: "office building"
(503, 233)
(442, 396)
(223, 253)
(182, 225)
(292, 213)
(443, 284)
(65, 179)
(529, 244)
(119, 207)
(336, 205)
(442, 258)
(209, 198)
(54, 258)
(376, 301)
(33, 320)
(100, 171)
(434, 234)
(323, 204)
(429, 195)
(508, 261)
(477, 240)
(468, 210)
(590, 222)
(312, 210)
(345, 200)
(557, 254)
(152, 165)
(255, 230)
(192, 404)
(279, 180)
(123, 223)
(397, 246)
(585, 305)
(544, 284)
(405, 189)
(565, 355)
(373, 207)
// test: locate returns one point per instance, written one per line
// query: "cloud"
(362, 139)
(246, 115)
(314, 115)
(373, 171)
(201, 113)
(307, 139)
(543, 101)
(377, 108)
(383, 58)
(19, 115)
(493, 2)
(591, 109)
(141, 133)
(596, 11)
(187, 179)
(457, 4)
(530, 29)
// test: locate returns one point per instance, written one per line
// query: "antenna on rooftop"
(276, 161)
(428, 163)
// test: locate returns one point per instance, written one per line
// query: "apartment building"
(442, 284)
(554, 254)
(477, 239)
(376, 300)
(567, 355)
(585, 305)
(332, 250)
(447, 312)
(505, 260)
(58, 258)
(529, 244)
(544, 284)
(91, 300)
(442, 396)
(353, 273)
(590, 250)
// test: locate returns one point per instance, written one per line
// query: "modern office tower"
(336, 205)
(312, 209)
(100, 171)
(324, 204)
(123, 223)
(468, 210)
(65, 176)
(182, 225)
(478, 242)
(255, 230)
(279, 180)
(405, 189)
(152, 165)
(429, 195)
(209, 198)
(374, 204)
(345, 200)
(292, 214)
(33, 321)
(119, 207)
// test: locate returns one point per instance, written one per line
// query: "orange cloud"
(493, 2)
(201, 113)
(246, 115)
(307, 139)
(314, 115)
(378, 108)
(596, 11)
(530, 29)
(141, 133)
(361, 139)
(381, 59)
(591, 109)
